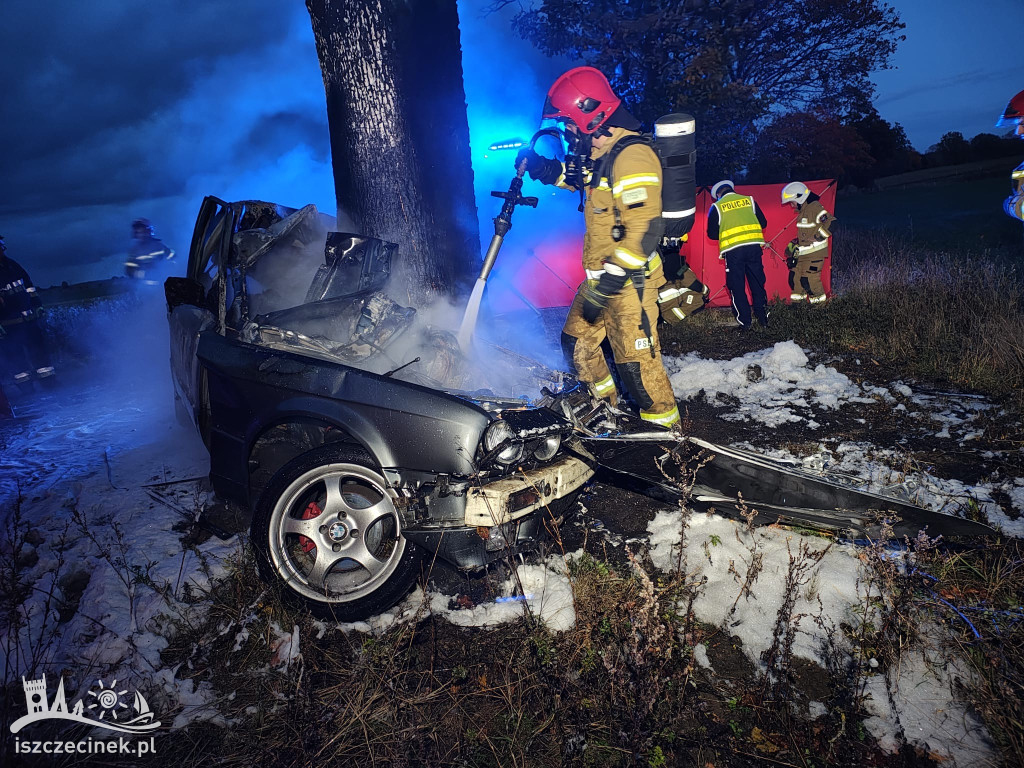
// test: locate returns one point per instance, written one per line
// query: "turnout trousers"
(743, 267)
(642, 373)
(805, 278)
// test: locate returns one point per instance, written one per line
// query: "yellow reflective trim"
(630, 258)
(666, 419)
(747, 233)
(654, 262)
(1017, 175)
(604, 385)
(635, 180)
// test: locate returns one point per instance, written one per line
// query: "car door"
(193, 305)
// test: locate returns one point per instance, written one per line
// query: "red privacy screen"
(702, 254)
(547, 274)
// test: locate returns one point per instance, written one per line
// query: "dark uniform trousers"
(744, 266)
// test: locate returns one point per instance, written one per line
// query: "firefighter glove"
(595, 297)
(542, 169)
(791, 255)
(576, 168)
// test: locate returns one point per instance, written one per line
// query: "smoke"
(241, 115)
(238, 114)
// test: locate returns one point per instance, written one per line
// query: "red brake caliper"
(312, 510)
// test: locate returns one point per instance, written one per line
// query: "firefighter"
(737, 223)
(23, 344)
(1014, 115)
(805, 256)
(146, 251)
(618, 300)
(683, 294)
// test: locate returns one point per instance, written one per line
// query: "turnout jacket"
(1014, 204)
(627, 194)
(812, 227)
(18, 298)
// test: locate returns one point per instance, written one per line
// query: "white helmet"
(795, 192)
(720, 186)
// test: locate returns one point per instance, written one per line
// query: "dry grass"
(955, 317)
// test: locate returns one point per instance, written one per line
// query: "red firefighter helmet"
(1014, 110)
(582, 96)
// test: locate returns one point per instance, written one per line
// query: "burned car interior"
(362, 438)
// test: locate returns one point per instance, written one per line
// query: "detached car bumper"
(518, 495)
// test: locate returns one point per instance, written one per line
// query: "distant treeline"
(859, 149)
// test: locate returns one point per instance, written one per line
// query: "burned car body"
(345, 424)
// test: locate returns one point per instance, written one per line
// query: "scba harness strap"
(639, 277)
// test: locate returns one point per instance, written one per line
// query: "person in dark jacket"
(737, 223)
(23, 347)
(146, 252)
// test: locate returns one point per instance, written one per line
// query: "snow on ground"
(543, 590)
(105, 565)
(83, 457)
(779, 385)
(721, 552)
(773, 386)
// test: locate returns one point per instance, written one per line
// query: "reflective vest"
(738, 224)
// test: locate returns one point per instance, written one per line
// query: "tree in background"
(805, 145)
(730, 63)
(396, 109)
(888, 145)
(951, 149)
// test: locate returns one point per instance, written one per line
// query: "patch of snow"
(284, 647)
(929, 714)
(545, 590)
(700, 655)
(786, 389)
(722, 552)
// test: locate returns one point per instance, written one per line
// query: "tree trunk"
(396, 109)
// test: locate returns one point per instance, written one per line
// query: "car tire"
(326, 529)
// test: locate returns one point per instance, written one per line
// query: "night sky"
(115, 110)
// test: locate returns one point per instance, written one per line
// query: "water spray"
(502, 224)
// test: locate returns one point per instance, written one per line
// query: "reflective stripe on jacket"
(738, 224)
(637, 197)
(812, 227)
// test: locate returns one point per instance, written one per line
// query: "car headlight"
(497, 433)
(548, 448)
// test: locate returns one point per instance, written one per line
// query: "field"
(643, 634)
(949, 214)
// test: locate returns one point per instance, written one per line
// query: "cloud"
(119, 110)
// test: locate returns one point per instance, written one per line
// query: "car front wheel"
(327, 528)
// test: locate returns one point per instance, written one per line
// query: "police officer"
(737, 223)
(805, 256)
(619, 298)
(146, 250)
(23, 345)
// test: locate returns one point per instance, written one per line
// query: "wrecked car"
(360, 437)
